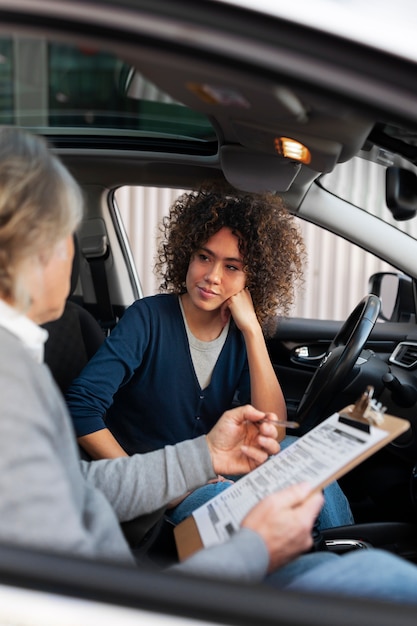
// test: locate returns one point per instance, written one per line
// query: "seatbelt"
(96, 250)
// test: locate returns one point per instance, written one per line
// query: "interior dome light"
(292, 149)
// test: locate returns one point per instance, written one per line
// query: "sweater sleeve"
(45, 502)
(113, 365)
(244, 558)
(143, 483)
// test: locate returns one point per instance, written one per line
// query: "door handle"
(304, 354)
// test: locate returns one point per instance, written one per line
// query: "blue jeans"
(361, 573)
(335, 512)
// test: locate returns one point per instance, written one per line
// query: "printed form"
(315, 458)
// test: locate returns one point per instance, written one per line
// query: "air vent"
(405, 355)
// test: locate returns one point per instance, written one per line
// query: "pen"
(282, 423)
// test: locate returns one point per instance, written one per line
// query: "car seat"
(73, 338)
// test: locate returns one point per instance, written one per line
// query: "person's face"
(215, 272)
(48, 299)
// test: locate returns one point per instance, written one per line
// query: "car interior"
(249, 156)
(154, 104)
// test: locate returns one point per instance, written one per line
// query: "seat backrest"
(73, 338)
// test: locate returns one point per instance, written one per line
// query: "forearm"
(266, 393)
(143, 483)
(101, 445)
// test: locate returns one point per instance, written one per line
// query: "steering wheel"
(337, 363)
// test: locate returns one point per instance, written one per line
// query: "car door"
(302, 340)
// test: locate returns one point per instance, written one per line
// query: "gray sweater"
(50, 500)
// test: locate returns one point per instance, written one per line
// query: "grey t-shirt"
(204, 354)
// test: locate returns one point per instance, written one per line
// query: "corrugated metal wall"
(336, 275)
(337, 271)
(142, 209)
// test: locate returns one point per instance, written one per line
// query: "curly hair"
(268, 238)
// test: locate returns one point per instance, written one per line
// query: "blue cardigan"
(141, 383)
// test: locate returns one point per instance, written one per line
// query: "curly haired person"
(229, 264)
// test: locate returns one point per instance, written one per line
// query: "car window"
(336, 273)
(369, 189)
(93, 92)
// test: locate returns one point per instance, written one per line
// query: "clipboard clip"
(364, 413)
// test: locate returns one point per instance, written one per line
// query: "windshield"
(363, 183)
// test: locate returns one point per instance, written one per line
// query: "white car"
(316, 101)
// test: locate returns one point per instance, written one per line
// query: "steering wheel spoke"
(338, 362)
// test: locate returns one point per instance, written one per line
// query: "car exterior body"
(164, 95)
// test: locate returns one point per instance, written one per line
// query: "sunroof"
(58, 89)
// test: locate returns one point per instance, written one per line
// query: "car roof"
(370, 22)
(239, 95)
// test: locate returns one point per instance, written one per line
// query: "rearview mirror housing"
(401, 193)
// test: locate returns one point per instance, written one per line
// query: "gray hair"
(40, 204)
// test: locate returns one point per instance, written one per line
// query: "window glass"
(368, 192)
(336, 273)
(59, 89)
(6, 81)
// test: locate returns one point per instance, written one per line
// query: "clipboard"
(354, 434)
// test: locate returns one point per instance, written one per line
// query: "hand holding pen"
(279, 423)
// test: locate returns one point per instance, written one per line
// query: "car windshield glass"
(59, 89)
(363, 183)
